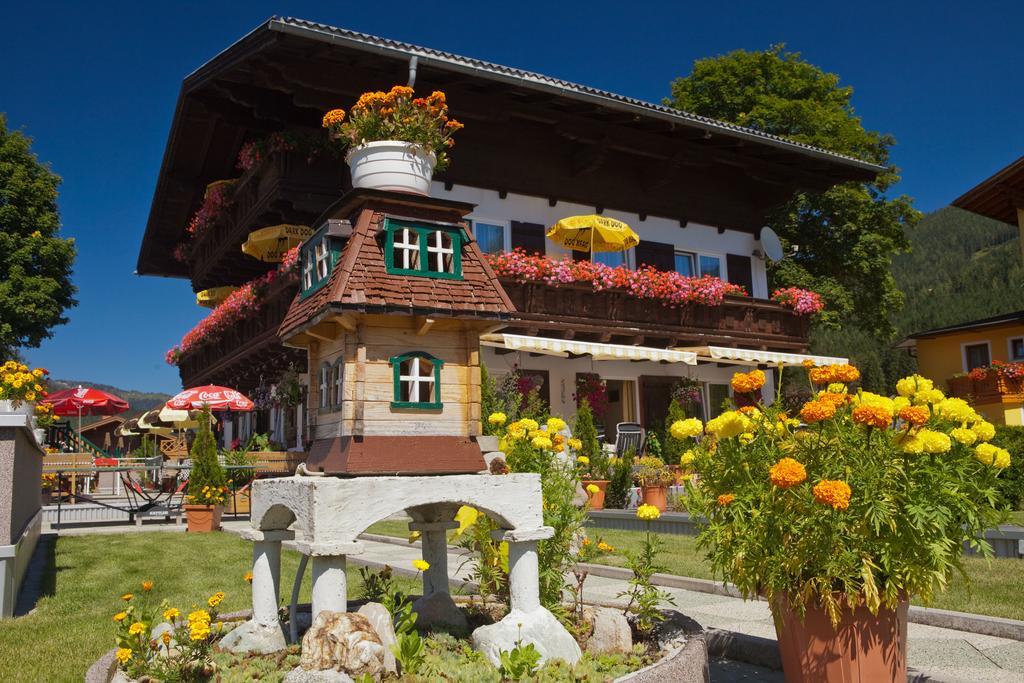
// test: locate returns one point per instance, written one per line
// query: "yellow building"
(948, 354)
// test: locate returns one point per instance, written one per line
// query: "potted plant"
(892, 488)
(654, 478)
(49, 483)
(206, 482)
(396, 141)
(590, 457)
(20, 387)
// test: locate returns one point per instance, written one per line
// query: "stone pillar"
(330, 585)
(523, 568)
(435, 552)
(263, 632)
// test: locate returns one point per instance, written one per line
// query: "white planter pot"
(26, 408)
(392, 165)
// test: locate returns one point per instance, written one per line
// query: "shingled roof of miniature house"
(360, 280)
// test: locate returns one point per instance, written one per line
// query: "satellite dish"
(770, 244)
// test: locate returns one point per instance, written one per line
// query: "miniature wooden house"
(395, 295)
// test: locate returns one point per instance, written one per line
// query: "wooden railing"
(617, 313)
(288, 187)
(248, 351)
(991, 389)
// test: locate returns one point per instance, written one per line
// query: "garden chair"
(629, 436)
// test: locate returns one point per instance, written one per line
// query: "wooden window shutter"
(657, 254)
(528, 236)
(740, 271)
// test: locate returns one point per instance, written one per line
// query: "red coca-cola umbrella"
(213, 397)
(85, 401)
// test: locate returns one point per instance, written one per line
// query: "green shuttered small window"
(317, 257)
(424, 249)
(417, 381)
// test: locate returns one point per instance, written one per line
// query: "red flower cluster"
(240, 304)
(1008, 372)
(802, 301)
(645, 283)
(216, 200)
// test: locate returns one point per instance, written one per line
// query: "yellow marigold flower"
(872, 416)
(931, 396)
(871, 399)
(993, 455)
(199, 616)
(555, 424)
(747, 382)
(583, 460)
(30, 395)
(604, 547)
(575, 444)
(136, 628)
(746, 437)
(124, 655)
(687, 458)
(837, 388)
(166, 638)
(147, 585)
(964, 435)
(127, 597)
(497, 418)
(832, 492)
(726, 498)
(956, 409)
(541, 443)
(787, 473)
(215, 599)
(816, 411)
(912, 444)
(120, 616)
(247, 576)
(915, 415)
(807, 363)
(648, 513)
(592, 488)
(199, 631)
(529, 425)
(516, 431)
(899, 403)
(933, 441)
(37, 373)
(729, 424)
(414, 536)
(171, 613)
(688, 428)
(422, 565)
(984, 430)
(909, 386)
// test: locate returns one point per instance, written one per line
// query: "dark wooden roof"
(360, 281)
(1004, 319)
(997, 197)
(525, 133)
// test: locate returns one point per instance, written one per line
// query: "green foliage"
(674, 448)
(653, 445)
(409, 649)
(376, 585)
(620, 480)
(520, 662)
(488, 563)
(583, 429)
(489, 403)
(848, 234)
(206, 472)
(35, 263)
(1011, 481)
(645, 599)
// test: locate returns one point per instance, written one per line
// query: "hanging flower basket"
(392, 165)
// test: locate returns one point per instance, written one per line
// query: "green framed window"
(424, 249)
(317, 257)
(417, 381)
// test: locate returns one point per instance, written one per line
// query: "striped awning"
(564, 347)
(724, 354)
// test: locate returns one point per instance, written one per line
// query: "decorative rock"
(300, 675)
(673, 632)
(342, 641)
(538, 627)
(253, 637)
(580, 498)
(379, 617)
(438, 612)
(611, 631)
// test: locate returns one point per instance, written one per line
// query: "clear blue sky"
(95, 85)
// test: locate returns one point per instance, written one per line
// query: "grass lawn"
(71, 626)
(993, 588)
(1017, 517)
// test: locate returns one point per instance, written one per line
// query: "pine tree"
(583, 429)
(206, 469)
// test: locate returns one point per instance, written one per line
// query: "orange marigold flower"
(726, 498)
(437, 96)
(454, 125)
(832, 492)
(821, 375)
(401, 91)
(747, 382)
(808, 363)
(787, 472)
(747, 410)
(915, 415)
(846, 373)
(333, 117)
(833, 399)
(872, 416)
(816, 411)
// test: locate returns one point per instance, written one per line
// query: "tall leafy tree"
(35, 262)
(847, 235)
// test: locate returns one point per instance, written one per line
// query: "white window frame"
(323, 397)
(410, 251)
(307, 271)
(693, 259)
(696, 254)
(338, 390)
(415, 378)
(444, 255)
(322, 256)
(1009, 349)
(963, 351)
(506, 230)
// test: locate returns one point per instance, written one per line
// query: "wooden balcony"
(250, 351)
(992, 389)
(577, 311)
(287, 188)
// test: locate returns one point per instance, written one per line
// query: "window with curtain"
(490, 236)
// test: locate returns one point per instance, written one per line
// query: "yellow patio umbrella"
(593, 234)
(181, 419)
(271, 243)
(210, 298)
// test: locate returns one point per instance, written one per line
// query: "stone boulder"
(379, 617)
(611, 631)
(300, 675)
(539, 627)
(252, 637)
(438, 612)
(345, 642)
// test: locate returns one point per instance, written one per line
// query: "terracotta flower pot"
(656, 496)
(596, 499)
(203, 518)
(865, 648)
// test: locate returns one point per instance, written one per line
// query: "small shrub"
(1011, 481)
(620, 481)
(520, 662)
(206, 481)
